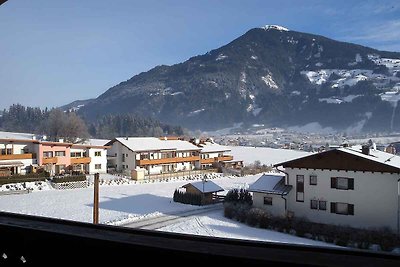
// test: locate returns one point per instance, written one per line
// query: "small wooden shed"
(207, 189)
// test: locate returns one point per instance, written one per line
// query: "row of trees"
(110, 126)
(56, 124)
(53, 123)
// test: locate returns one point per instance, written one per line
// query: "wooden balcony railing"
(225, 158)
(143, 162)
(17, 156)
(82, 160)
(207, 161)
(52, 160)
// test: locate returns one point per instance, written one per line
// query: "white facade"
(276, 207)
(125, 154)
(8, 150)
(98, 160)
(375, 198)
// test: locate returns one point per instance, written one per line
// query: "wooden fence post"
(96, 199)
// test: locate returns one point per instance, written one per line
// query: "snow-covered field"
(127, 203)
(265, 155)
(116, 202)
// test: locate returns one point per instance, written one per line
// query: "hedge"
(69, 178)
(31, 177)
(337, 234)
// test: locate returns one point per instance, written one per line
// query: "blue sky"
(54, 52)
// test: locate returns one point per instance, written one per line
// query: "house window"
(268, 201)
(48, 154)
(123, 157)
(313, 180)
(314, 204)
(342, 183)
(126, 155)
(300, 188)
(97, 153)
(97, 166)
(76, 154)
(60, 153)
(342, 208)
(322, 205)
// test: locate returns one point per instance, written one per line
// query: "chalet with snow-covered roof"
(207, 189)
(163, 155)
(355, 186)
(155, 155)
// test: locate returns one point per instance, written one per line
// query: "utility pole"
(96, 199)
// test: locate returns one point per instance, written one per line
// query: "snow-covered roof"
(20, 136)
(270, 184)
(152, 144)
(209, 147)
(374, 155)
(206, 186)
(97, 142)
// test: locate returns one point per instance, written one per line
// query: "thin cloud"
(388, 31)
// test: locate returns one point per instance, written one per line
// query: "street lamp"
(204, 179)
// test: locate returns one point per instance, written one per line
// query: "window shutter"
(351, 183)
(350, 209)
(333, 182)
(333, 207)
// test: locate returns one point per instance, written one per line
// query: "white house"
(212, 153)
(353, 186)
(17, 156)
(155, 155)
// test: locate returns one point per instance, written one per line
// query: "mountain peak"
(274, 27)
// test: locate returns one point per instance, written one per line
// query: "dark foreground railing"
(36, 240)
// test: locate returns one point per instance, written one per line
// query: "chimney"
(61, 140)
(365, 149)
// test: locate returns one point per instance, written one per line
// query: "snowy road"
(164, 220)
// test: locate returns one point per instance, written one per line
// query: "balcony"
(82, 160)
(17, 156)
(225, 158)
(52, 160)
(143, 162)
(207, 161)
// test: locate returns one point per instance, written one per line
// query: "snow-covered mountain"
(269, 75)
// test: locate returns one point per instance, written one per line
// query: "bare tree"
(68, 126)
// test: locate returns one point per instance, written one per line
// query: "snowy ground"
(121, 204)
(128, 203)
(215, 224)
